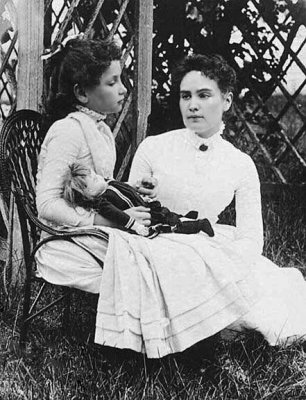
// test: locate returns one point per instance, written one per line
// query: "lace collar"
(97, 117)
(211, 142)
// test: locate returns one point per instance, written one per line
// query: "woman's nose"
(193, 105)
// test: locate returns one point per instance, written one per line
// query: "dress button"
(203, 147)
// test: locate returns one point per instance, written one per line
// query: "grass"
(59, 367)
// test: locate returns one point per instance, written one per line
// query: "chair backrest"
(20, 142)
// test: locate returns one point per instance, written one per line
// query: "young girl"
(83, 187)
(85, 87)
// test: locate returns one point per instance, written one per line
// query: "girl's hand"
(147, 186)
(140, 214)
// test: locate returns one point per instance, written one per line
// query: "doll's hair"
(212, 66)
(82, 62)
(75, 185)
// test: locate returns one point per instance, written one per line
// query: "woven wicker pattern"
(21, 139)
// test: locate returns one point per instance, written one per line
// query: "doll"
(83, 187)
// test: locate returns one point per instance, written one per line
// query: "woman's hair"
(82, 62)
(212, 66)
(75, 184)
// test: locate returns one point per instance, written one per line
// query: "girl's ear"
(228, 99)
(80, 94)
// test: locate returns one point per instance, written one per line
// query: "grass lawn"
(60, 367)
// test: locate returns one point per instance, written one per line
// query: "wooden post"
(30, 22)
(143, 69)
(30, 66)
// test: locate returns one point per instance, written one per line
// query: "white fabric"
(71, 140)
(163, 295)
(102, 146)
(190, 179)
(206, 182)
(174, 277)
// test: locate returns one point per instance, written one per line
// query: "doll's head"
(82, 184)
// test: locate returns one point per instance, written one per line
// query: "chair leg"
(66, 312)
(25, 313)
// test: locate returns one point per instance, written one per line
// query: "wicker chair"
(20, 143)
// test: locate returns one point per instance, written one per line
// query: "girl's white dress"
(162, 295)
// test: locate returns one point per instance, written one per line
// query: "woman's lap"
(67, 264)
(277, 313)
(63, 263)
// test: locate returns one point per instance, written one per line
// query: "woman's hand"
(147, 186)
(140, 214)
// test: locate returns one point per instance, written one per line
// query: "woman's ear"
(228, 99)
(80, 94)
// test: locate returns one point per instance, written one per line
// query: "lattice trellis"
(102, 19)
(272, 117)
(8, 72)
(265, 45)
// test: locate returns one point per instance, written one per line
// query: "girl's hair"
(75, 184)
(82, 62)
(212, 66)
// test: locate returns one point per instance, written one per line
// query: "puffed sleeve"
(249, 227)
(62, 146)
(141, 165)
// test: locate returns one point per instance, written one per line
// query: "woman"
(190, 178)
(86, 87)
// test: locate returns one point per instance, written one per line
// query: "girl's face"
(108, 96)
(202, 103)
(95, 185)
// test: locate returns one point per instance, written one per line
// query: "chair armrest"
(63, 233)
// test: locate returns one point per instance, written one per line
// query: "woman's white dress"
(163, 295)
(190, 179)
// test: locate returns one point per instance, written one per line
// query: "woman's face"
(202, 103)
(108, 96)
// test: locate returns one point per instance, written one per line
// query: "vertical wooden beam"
(30, 66)
(143, 69)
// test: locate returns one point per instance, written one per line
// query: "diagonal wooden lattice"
(265, 41)
(102, 19)
(270, 118)
(8, 68)
(266, 123)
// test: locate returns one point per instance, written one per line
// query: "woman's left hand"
(147, 186)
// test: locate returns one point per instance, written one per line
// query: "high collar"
(212, 141)
(97, 117)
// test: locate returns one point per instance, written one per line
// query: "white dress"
(190, 179)
(84, 139)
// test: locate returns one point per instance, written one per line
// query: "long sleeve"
(63, 144)
(113, 213)
(205, 182)
(140, 165)
(248, 241)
